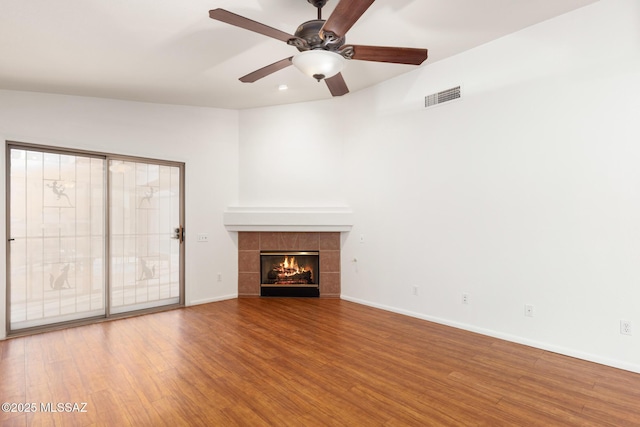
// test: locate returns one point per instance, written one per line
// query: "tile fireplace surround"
(251, 243)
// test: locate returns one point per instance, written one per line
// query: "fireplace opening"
(290, 274)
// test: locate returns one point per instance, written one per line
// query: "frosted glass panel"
(57, 226)
(145, 259)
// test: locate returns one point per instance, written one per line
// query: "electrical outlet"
(465, 298)
(219, 277)
(625, 327)
(203, 238)
(415, 290)
(528, 310)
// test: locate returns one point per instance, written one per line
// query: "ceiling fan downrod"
(318, 4)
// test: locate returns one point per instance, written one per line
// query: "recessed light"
(283, 87)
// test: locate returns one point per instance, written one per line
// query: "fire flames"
(290, 266)
(289, 272)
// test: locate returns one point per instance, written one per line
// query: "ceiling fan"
(322, 45)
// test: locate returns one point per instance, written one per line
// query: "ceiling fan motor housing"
(310, 32)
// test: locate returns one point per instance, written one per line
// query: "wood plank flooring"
(302, 362)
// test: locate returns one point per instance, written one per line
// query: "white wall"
(205, 139)
(292, 156)
(526, 191)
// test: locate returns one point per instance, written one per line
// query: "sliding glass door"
(145, 235)
(57, 240)
(90, 235)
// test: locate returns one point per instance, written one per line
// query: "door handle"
(178, 233)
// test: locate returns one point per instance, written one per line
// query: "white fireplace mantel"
(310, 219)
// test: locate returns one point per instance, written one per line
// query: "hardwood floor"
(302, 362)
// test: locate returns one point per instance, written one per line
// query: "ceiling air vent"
(441, 97)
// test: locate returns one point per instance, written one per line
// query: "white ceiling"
(170, 51)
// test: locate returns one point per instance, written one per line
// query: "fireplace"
(290, 273)
(323, 266)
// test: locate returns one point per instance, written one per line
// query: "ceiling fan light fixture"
(319, 64)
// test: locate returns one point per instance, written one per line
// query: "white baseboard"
(208, 300)
(632, 367)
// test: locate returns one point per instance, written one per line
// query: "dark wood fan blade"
(248, 24)
(396, 55)
(337, 85)
(265, 71)
(346, 13)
